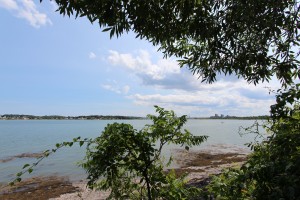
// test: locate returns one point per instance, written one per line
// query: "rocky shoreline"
(198, 164)
(38, 188)
(22, 155)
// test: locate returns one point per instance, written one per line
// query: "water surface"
(34, 136)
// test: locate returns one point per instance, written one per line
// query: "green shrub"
(128, 161)
(272, 171)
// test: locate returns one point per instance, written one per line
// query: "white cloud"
(92, 55)
(111, 88)
(166, 73)
(230, 98)
(142, 65)
(26, 9)
(8, 4)
(114, 87)
(179, 90)
(161, 74)
(205, 103)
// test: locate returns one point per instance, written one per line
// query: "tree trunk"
(148, 185)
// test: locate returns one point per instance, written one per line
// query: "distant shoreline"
(114, 117)
(58, 117)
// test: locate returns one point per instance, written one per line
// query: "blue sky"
(52, 64)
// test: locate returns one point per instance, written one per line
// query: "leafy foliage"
(209, 37)
(285, 99)
(129, 162)
(272, 170)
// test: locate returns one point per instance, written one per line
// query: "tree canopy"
(252, 39)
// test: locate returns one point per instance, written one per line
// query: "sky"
(56, 65)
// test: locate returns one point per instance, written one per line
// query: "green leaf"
(106, 29)
(19, 174)
(26, 165)
(81, 143)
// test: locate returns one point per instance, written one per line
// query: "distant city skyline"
(57, 65)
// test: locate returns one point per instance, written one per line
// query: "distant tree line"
(58, 117)
(108, 117)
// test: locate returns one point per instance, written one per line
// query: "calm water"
(33, 136)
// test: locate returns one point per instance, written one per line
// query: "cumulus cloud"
(230, 98)
(92, 55)
(26, 9)
(206, 103)
(163, 73)
(185, 93)
(166, 73)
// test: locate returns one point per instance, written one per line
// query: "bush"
(272, 170)
(128, 161)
